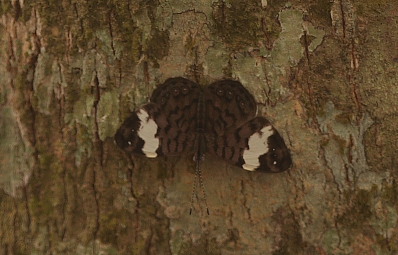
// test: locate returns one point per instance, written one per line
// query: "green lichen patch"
(291, 239)
(390, 193)
(319, 11)
(46, 191)
(83, 111)
(344, 118)
(242, 24)
(359, 208)
(216, 62)
(118, 26)
(15, 156)
(113, 222)
(16, 10)
(108, 109)
(387, 244)
(52, 26)
(324, 80)
(371, 213)
(306, 39)
(202, 246)
(71, 93)
(378, 79)
(158, 45)
(86, 25)
(380, 149)
(5, 7)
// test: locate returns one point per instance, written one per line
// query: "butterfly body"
(219, 119)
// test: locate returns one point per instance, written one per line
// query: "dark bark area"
(324, 73)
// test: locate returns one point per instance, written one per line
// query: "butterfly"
(220, 119)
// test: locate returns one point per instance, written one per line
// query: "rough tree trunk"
(324, 72)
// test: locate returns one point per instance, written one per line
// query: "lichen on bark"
(323, 72)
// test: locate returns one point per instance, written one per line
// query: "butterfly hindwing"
(138, 133)
(264, 148)
(236, 135)
(166, 125)
(256, 145)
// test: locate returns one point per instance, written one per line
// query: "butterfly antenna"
(193, 191)
(202, 186)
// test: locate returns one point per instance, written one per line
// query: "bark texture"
(324, 72)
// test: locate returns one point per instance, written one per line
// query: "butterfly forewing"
(178, 100)
(236, 135)
(228, 105)
(264, 148)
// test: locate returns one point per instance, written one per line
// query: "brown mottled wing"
(178, 100)
(256, 145)
(236, 135)
(171, 112)
(228, 105)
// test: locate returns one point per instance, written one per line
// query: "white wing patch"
(147, 132)
(258, 145)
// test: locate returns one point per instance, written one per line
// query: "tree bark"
(323, 72)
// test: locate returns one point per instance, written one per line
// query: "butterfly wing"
(227, 105)
(239, 137)
(138, 133)
(256, 145)
(166, 125)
